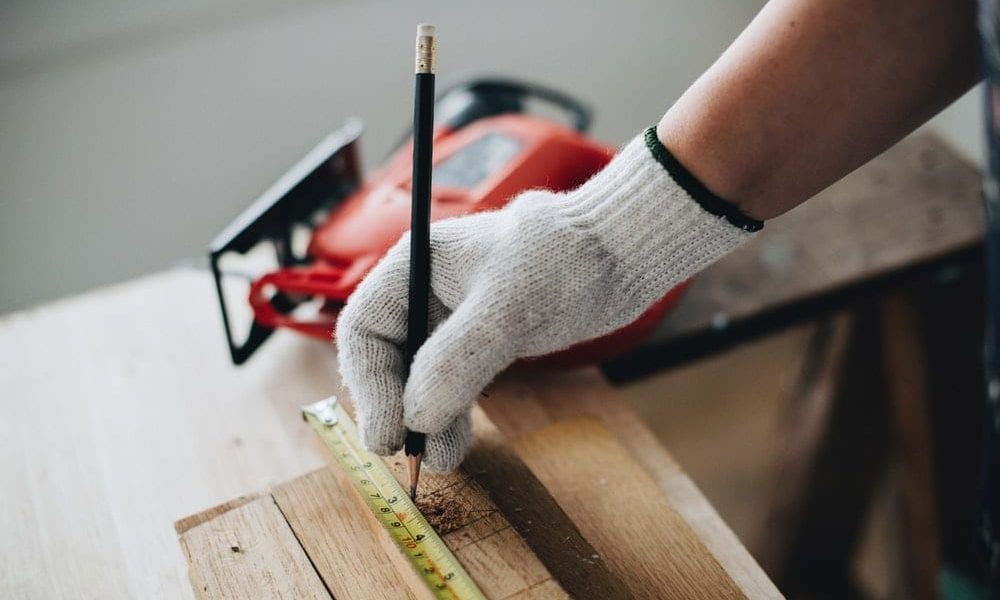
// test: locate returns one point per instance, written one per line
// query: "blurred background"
(134, 131)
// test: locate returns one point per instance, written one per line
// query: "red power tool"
(323, 229)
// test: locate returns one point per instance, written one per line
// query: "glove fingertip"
(382, 440)
(456, 363)
(444, 451)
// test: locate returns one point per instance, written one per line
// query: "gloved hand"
(545, 272)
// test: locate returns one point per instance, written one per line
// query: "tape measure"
(391, 505)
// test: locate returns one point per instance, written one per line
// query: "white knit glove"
(545, 272)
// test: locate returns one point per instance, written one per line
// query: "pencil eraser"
(425, 30)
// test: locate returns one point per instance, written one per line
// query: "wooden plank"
(479, 535)
(844, 471)
(344, 547)
(915, 204)
(182, 525)
(531, 401)
(507, 531)
(803, 421)
(125, 414)
(250, 552)
(534, 516)
(951, 328)
(136, 376)
(488, 513)
(649, 545)
(909, 401)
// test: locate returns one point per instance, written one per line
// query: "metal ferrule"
(425, 54)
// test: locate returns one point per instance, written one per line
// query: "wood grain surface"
(910, 399)
(578, 517)
(498, 520)
(648, 544)
(479, 535)
(250, 552)
(345, 550)
(125, 401)
(537, 517)
(527, 402)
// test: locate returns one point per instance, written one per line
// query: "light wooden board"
(183, 525)
(500, 522)
(320, 522)
(124, 401)
(122, 414)
(592, 523)
(514, 490)
(250, 552)
(344, 549)
(358, 560)
(647, 543)
(531, 401)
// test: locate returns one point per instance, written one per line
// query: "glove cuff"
(695, 188)
(660, 223)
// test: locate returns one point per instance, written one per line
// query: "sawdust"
(443, 502)
(444, 514)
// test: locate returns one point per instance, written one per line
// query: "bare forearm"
(813, 89)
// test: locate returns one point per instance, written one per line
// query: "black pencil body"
(420, 219)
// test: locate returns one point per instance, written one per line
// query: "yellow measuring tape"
(392, 507)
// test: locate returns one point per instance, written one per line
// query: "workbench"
(125, 414)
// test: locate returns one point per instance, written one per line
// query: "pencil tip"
(413, 467)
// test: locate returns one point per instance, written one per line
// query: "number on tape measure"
(425, 550)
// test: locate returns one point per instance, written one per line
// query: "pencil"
(420, 221)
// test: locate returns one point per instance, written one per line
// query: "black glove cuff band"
(696, 189)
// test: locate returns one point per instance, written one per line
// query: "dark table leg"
(847, 464)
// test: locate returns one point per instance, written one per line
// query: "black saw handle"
(302, 197)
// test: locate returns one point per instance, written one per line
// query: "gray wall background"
(132, 132)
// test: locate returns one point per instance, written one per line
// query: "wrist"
(654, 230)
(697, 190)
(730, 175)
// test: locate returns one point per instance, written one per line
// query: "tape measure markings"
(392, 507)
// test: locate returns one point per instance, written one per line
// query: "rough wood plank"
(135, 376)
(532, 401)
(476, 532)
(804, 419)
(845, 470)
(124, 401)
(488, 513)
(493, 526)
(519, 495)
(250, 552)
(182, 525)
(343, 546)
(495, 501)
(910, 406)
(595, 480)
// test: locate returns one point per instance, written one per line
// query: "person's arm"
(813, 89)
